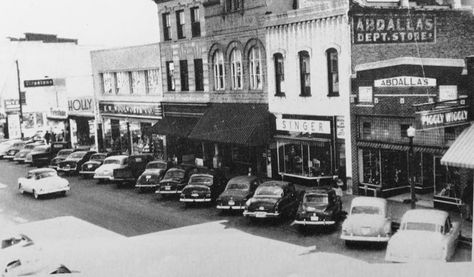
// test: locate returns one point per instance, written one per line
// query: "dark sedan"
(203, 187)
(319, 207)
(61, 156)
(238, 190)
(74, 161)
(89, 167)
(175, 180)
(151, 177)
(272, 199)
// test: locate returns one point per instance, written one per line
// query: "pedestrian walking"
(467, 200)
(47, 137)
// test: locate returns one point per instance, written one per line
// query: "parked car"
(61, 156)
(42, 181)
(46, 158)
(238, 190)
(367, 221)
(89, 167)
(37, 150)
(272, 199)
(16, 241)
(4, 146)
(151, 177)
(175, 179)
(34, 266)
(203, 187)
(319, 207)
(20, 155)
(106, 170)
(74, 161)
(424, 235)
(135, 167)
(13, 150)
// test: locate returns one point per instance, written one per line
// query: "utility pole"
(19, 98)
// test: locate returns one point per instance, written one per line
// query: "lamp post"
(411, 134)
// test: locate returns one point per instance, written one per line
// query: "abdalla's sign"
(405, 81)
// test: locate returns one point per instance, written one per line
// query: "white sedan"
(43, 181)
(106, 170)
(424, 235)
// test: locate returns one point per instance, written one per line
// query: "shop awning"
(177, 126)
(243, 124)
(400, 147)
(461, 152)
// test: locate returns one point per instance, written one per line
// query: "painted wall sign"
(393, 28)
(81, 105)
(38, 83)
(127, 109)
(405, 81)
(304, 126)
(443, 118)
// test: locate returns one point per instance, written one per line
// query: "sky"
(107, 23)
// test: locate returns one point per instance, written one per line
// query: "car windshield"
(29, 146)
(269, 191)
(313, 198)
(420, 226)
(366, 210)
(238, 186)
(98, 157)
(18, 144)
(112, 161)
(47, 174)
(171, 174)
(64, 152)
(205, 180)
(77, 155)
(156, 165)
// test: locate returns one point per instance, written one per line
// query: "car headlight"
(248, 202)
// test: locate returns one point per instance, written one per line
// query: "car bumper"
(168, 191)
(227, 207)
(195, 200)
(103, 177)
(261, 214)
(86, 172)
(9, 157)
(314, 223)
(66, 169)
(56, 190)
(365, 238)
(146, 186)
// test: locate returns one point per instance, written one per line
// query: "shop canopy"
(243, 124)
(176, 126)
(461, 152)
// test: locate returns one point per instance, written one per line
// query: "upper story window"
(109, 82)
(180, 23)
(219, 74)
(183, 72)
(170, 76)
(333, 72)
(153, 81)
(195, 22)
(279, 74)
(198, 75)
(234, 5)
(166, 26)
(236, 68)
(366, 130)
(139, 82)
(305, 76)
(123, 83)
(403, 130)
(255, 68)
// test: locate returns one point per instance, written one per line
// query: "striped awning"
(401, 147)
(461, 152)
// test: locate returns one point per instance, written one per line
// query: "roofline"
(125, 47)
(411, 61)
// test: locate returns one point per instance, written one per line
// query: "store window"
(371, 166)
(255, 68)
(236, 68)
(219, 75)
(170, 76)
(195, 22)
(279, 74)
(333, 72)
(180, 24)
(184, 76)
(447, 180)
(394, 169)
(305, 158)
(366, 130)
(305, 76)
(166, 26)
(198, 75)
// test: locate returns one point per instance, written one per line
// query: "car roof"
(156, 162)
(202, 175)
(41, 170)
(425, 215)
(117, 157)
(322, 190)
(366, 200)
(243, 179)
(275, 183)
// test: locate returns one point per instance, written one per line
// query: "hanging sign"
(442, 118)
(38, 83)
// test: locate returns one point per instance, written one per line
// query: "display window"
(447, 180)
(309, 159)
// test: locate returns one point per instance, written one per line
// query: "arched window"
(236, 68)
(255, 68)
(219, 74)
(305, 76)
(333, 72)
(279, 74)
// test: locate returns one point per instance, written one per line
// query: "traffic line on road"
(18, 219)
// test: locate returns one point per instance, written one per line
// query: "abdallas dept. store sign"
(405, 81)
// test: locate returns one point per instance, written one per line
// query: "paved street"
(130, 213)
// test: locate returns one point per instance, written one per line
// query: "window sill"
(365, 105)
(305, 95)
(280, 94)
(333, 95)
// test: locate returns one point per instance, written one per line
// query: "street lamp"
(411, 131)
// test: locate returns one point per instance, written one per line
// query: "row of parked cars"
(431, 231)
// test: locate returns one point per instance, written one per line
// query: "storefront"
(126, 125)
(58, 125)
(309, 151)
(82, 121)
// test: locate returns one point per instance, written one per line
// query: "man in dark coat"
(467, 200)
(47, 137)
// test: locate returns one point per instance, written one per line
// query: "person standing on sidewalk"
(467, 200)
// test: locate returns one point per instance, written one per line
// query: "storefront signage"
(38, 83)
(444, 118)
(304, 126)
(12, 105)
(405, 81)
(136, 109)
(340, 127)
(57, 114)
(394, 28)
(80, 105)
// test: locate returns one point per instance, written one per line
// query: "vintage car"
(424, 234)
(4, 146)
(319, 207)
(238, 190)
(272, 199)
(43, 181)
(34, 266)
(37, 150)
(73, 163)
(203, 187)
(105, 172)
(367, 221)
(175, 179)
(61, 156)
(151, 177)
(20, 156)
(44, 159)
(135, 167)
(16, 241)
(14, 149)
(89, 167)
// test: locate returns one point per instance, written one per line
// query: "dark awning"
(177, 126)
(244, 124)
(461, 152)
(400, 147)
